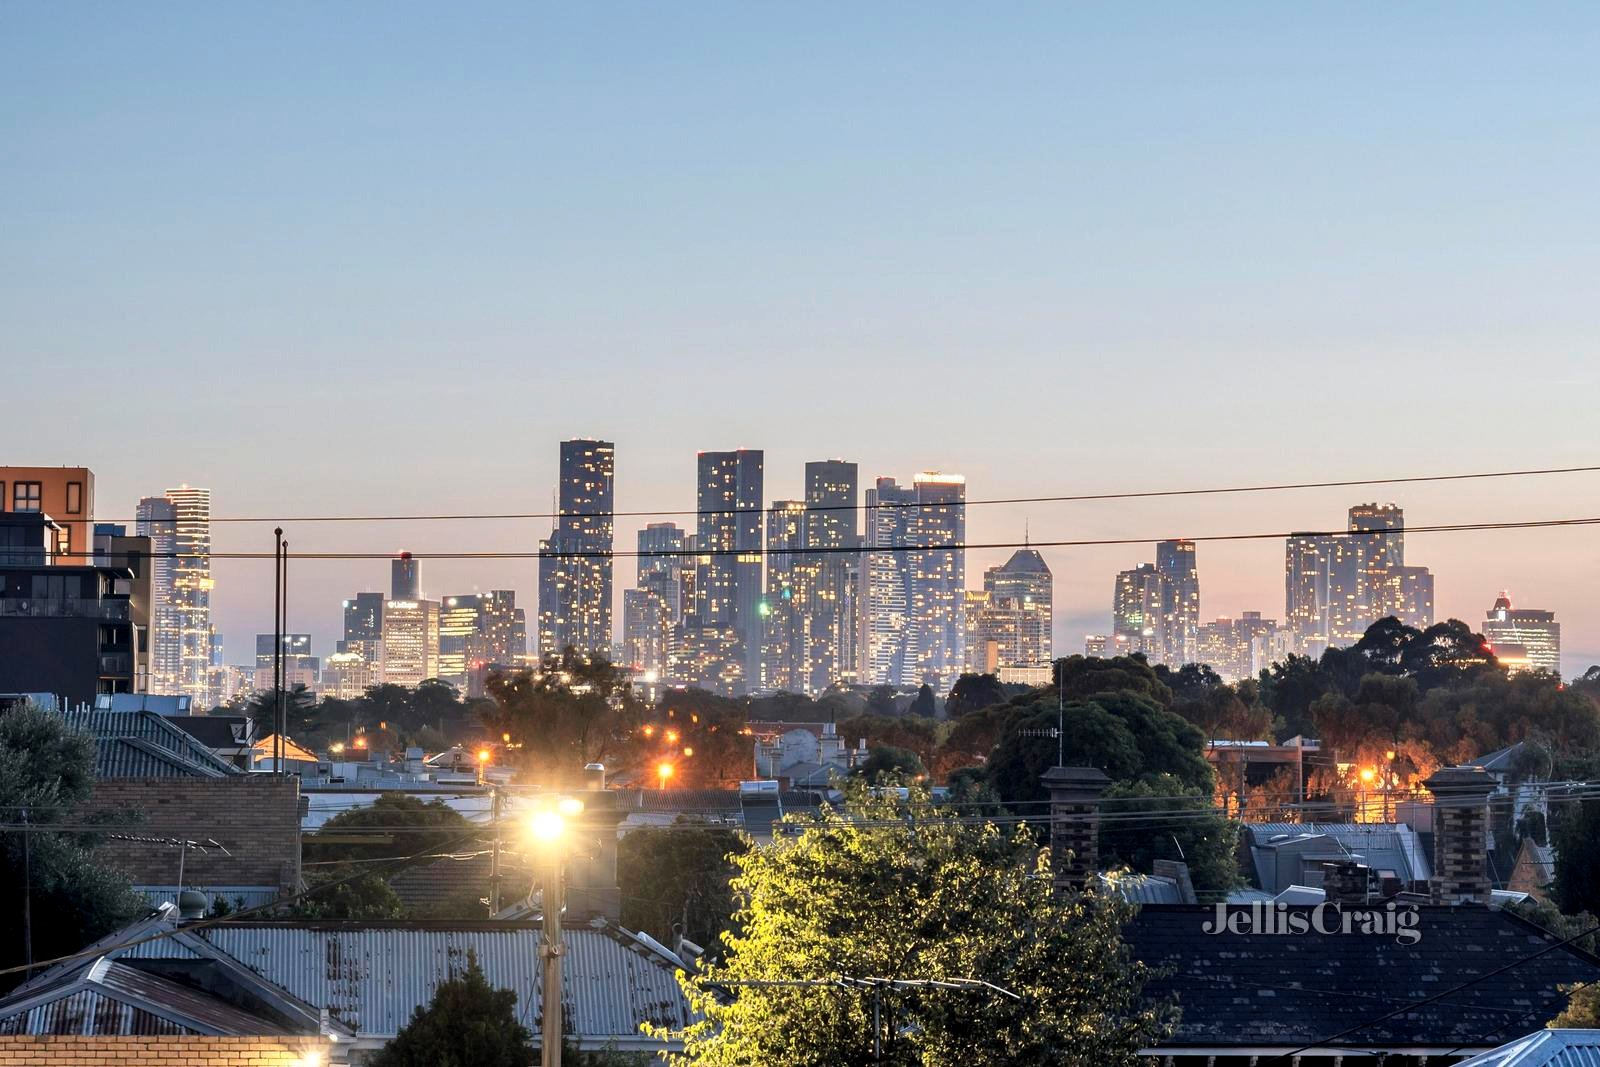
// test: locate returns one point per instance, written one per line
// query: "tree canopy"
(676, 879)
(893, 889)
(577, 709)
(46, 773)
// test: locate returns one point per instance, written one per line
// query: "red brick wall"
(54, 1050)
(256, 817)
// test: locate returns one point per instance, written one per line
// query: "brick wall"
(53, 1050)
(256, 817)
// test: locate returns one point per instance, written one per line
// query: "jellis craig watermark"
(1263, 917)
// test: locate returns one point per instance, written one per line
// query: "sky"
(382, 257)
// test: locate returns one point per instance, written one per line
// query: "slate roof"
(1547, 1048)
(143, 744)
(1272, 990)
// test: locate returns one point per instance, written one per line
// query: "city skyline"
(1069, 632)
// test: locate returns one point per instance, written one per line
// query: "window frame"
(36, 497)
(74, 498)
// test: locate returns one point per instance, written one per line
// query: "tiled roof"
(1255, 989)
(151, 732)
(134, 757)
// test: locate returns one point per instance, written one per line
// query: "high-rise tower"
(575, 572)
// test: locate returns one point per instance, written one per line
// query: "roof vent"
(192, 905)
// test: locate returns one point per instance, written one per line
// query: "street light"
(664, 771)
(548, 826)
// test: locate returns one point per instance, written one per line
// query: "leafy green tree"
(47, 772)
(1582, 1011)
(677, 878)
(351, 893)
(1160, 818)
(400, 825)
(887, 762)
(904, 890)
(577, 709)
(974, 692)
(914, 733)
(924, 705)
(1084, 676)
(880, 700)
(712, 727)
(469, 1023)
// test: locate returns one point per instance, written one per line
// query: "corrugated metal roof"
(114, 999)
(88, 1012)
(237, 897)
(1145, 888)
(1545, 1048)
(372, 977)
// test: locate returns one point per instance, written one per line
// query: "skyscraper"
(405, 578)
(786, 610)
(721, 639)
(463, 637)
(938, 580)
(1176, 562)
(1014, 611)
(1524, 639)
(885, 581)
(410, 641)
(157, 519)
(363, 629)
(832, 530)
(1338, 586)
(1308, 560)
(655, 606)
(575, 568)
(182, 663)
(1141, 598)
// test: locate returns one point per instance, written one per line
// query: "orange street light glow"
(1368, 774)
(672, 737)
(483, 755)
(687, 751)
(665, 771)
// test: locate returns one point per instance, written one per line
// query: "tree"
(887, 762)
(915, 733)
(577, 709)
(904, 889)
(47, 771)
(1582, 1011)
(351, 893)
(1576, 838)
(676, 878)
(400, 825)
(469, 1023)
(924, 705)
(711, 727)
(974, 692)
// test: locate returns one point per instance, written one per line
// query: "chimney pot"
(1074, 823)
(1460, 835)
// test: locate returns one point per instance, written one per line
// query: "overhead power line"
(951, 546)
(1061, 498)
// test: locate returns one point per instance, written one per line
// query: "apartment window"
(74, 498)
(64, 541)
(25, 496)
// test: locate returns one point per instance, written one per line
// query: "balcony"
(116, 666)
(64, 608)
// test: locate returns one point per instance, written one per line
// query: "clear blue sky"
(383, 256)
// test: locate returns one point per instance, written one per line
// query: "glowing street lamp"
(688, 751)
(664, 771)
(672, 737)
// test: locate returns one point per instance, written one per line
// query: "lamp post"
(549, 829)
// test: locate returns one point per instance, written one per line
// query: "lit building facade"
(937, 580)
(1524, 639)
(1335, 587)
(346, 676)
(575, 565)
(181, 665)
(156, 519)
(1238, 648)
(885, 594)
(410, 641)
(1139, 611)
(833, 532)
(1181, 622)
(726, 618)
(405, 578)
(786, 609)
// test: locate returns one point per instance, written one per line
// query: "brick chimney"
(1346, 882)
(1460, 835)
(1074, 824)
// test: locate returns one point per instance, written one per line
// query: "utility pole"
(27, 897)
(494, 861)
(552, 950)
